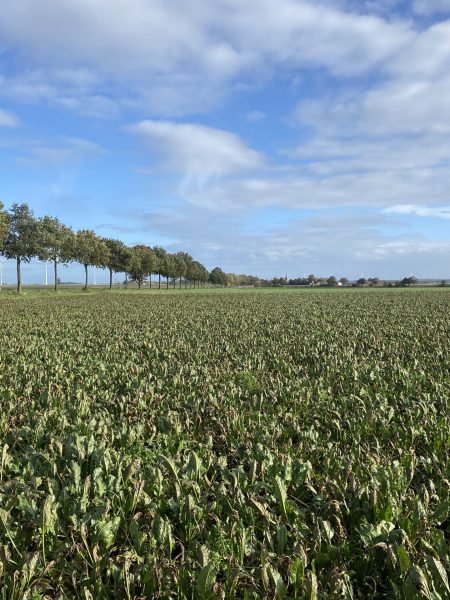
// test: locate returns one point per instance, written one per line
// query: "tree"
(203, 273)
(118, 259)
(167, 266)
(361, 281)
(408, 280)
(234, 280)
(217, 277)
(22, 240)
(4, 225)
(141, 264)
(343, 281)
(160, 253)
(193, 271)
(277, 281)
(182, 261)
(56, 243)
(332, 281)
(197, 272)
(90, 251)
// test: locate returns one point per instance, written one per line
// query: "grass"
(225, 444)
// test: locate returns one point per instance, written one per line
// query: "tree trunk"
(55, 267)
(86, 277)
(159, 281)
(110, 279)
(19, 277)
(174, 282)
(180, 282)
(150, 281)
(139, 284)
(167, 282)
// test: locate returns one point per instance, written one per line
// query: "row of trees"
(23, 237)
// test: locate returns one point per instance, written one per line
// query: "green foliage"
(90, 250)
(217, 276)
(142, 263)
(119, 256)
(56, 240)
(248, 381)
(56, 243)
(23, 239)
(225, 445)
(4, 225)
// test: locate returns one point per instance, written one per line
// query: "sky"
(265, 137)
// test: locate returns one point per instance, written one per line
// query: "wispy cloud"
(440, 212)
(255, 115)
(430, 7)
(8, 119)
(45, 154)
(328, 242)
(196, 152)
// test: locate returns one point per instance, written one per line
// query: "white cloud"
(404, 106)
(129, 35)
(72, 89)
(429, 7)
(172, 58)
(218, 171)
(255, 115)
(295, 34)
(405, 155)
(440, 212)
(390, 136)
(309, 189)
(197, 151)
(426, 55)
(45, 154)
(8, 119)
(327, 243)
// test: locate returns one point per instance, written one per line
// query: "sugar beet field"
(208, 444)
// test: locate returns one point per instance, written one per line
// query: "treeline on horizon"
(24, 237)
(332, 281)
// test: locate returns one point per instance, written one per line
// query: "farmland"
(199, 444)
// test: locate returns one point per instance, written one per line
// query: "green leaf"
(311, 586)
(439, 575)
(205, 582)
(441, 513)
(403, 558)
(280, 586)
(280, 493)
(106, 532)
(419, 584)
(296, 573)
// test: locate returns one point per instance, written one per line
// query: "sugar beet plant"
(225, 445)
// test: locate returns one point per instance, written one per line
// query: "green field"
(208, 444)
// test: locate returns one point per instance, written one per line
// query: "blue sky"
(265, 137)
